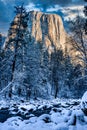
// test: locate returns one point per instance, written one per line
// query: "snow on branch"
(6, 87)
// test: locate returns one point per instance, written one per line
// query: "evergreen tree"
(20, 30)
(0, 40)
(15, 50)
(0, 37)
(85, 12)
(56, 70)
(18, 64)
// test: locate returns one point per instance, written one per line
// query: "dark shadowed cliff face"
(45, 58)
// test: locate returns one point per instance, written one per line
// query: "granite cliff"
(48, 57)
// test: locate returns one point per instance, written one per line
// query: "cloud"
(53, 9)
(7, 7)
(32, 6)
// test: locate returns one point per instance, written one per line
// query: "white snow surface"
(84, 101)
(84, 98)
(61, 116)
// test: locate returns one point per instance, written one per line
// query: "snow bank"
(84, 103)
(63, 115)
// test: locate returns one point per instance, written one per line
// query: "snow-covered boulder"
(84, 103)
(61, 126)
(45, 118)
(76, 117)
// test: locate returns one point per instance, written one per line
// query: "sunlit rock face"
(47, 28)
(48, 56)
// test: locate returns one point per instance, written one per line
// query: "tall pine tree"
(15, 50)
(85, 12)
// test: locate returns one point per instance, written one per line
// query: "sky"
(7, 8)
